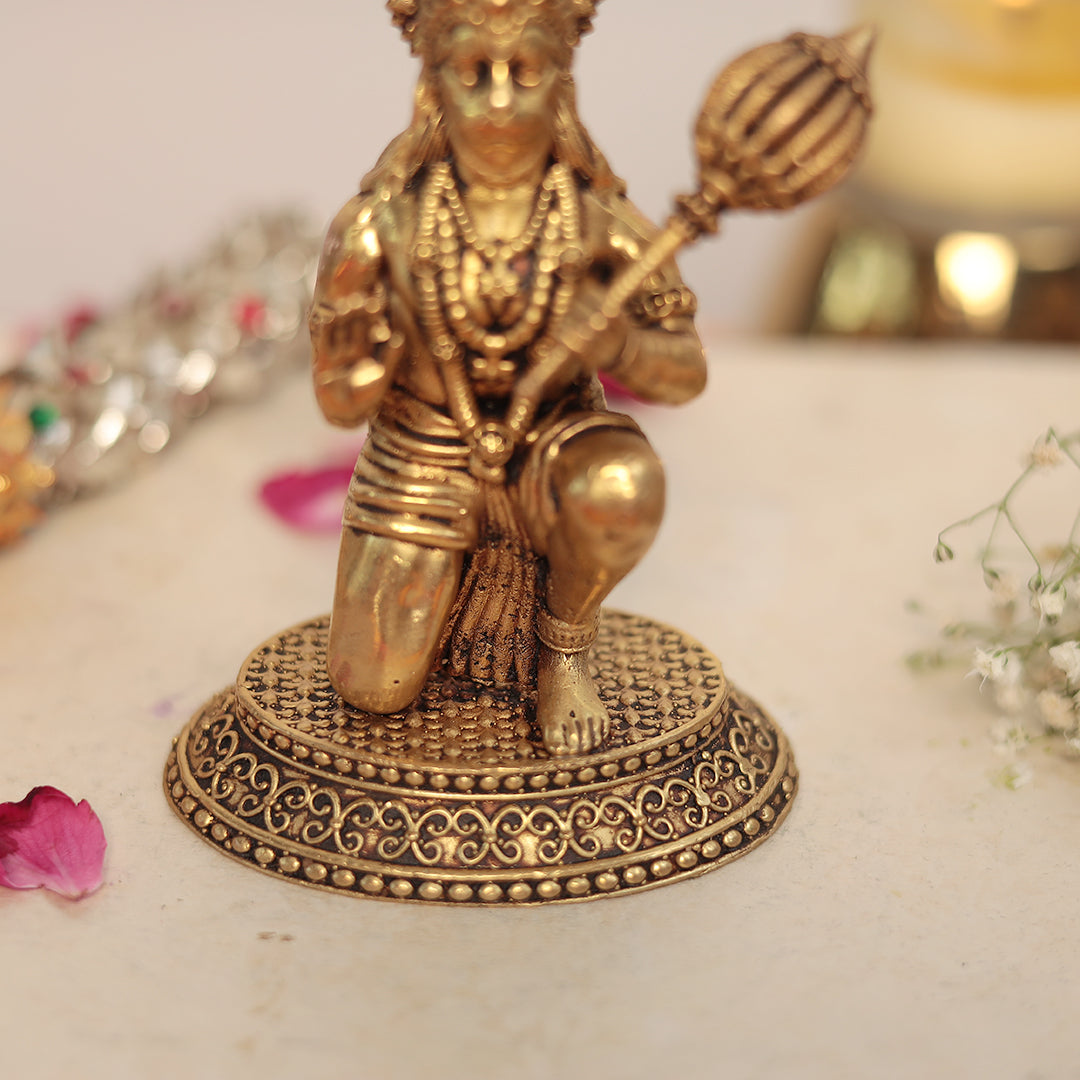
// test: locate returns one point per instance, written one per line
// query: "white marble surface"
(910, 918)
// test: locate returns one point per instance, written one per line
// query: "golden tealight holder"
(964, 221)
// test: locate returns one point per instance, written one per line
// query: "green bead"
(43, 415)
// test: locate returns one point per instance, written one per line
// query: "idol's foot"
(568, 710)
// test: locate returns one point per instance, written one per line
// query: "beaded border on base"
(689, 812)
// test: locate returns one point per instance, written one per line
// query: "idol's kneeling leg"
(391, 603)
(608, 486)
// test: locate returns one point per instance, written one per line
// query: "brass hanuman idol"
(469, 725)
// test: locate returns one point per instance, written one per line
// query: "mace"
(780, 124)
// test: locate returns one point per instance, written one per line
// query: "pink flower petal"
(311, 501)
(49, 841)
(613, 389)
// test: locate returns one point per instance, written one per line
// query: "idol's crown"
(422, 21)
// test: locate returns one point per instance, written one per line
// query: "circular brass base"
(455, 800)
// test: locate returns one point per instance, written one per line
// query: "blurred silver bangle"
(86, 402)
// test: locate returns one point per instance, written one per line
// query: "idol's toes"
(576, 734)
(568, 710)
(599, 728)
(598, 723)
(581, 731)
(573, 739)
(560, 740)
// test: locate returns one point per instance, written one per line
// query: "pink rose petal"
(49, 841)
(614, 390)
(311, 501)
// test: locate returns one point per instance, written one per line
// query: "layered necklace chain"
(504, 250)
(452, 258)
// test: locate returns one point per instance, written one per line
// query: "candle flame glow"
(977, 273)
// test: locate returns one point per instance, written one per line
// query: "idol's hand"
(355, 352)
(347, 330)
(594, 341)
(587, 340)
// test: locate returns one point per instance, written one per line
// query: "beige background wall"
(129, 130)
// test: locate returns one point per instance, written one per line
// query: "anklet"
(563, 636)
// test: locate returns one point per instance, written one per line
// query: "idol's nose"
(502, 87)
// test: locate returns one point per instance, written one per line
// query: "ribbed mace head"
(784, 122)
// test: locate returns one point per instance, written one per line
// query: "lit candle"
(978, 106)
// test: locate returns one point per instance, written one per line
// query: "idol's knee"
(613, 494)
(391, 603)
(362, 680)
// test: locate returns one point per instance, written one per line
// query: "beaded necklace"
(447, 238)
(475, 359)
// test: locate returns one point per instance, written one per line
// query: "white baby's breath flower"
(1046, 452)
(1032, 662)
(1049, 603)
(1009, 737)
(1056, 711)
(996, 667)
(1017, 774)
(984, 665)
(1066, 657)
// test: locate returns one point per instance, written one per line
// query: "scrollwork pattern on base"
(584, 830)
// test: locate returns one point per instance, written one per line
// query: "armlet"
(654, 306)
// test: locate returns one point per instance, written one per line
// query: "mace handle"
(552, 356)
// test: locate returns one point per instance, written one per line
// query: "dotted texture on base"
(278, 773)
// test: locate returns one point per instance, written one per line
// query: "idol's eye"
(474, 73)
(527, 70)
(525, 74)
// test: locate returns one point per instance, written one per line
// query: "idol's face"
(499, 94)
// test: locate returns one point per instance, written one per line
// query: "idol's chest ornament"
(484, 300)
